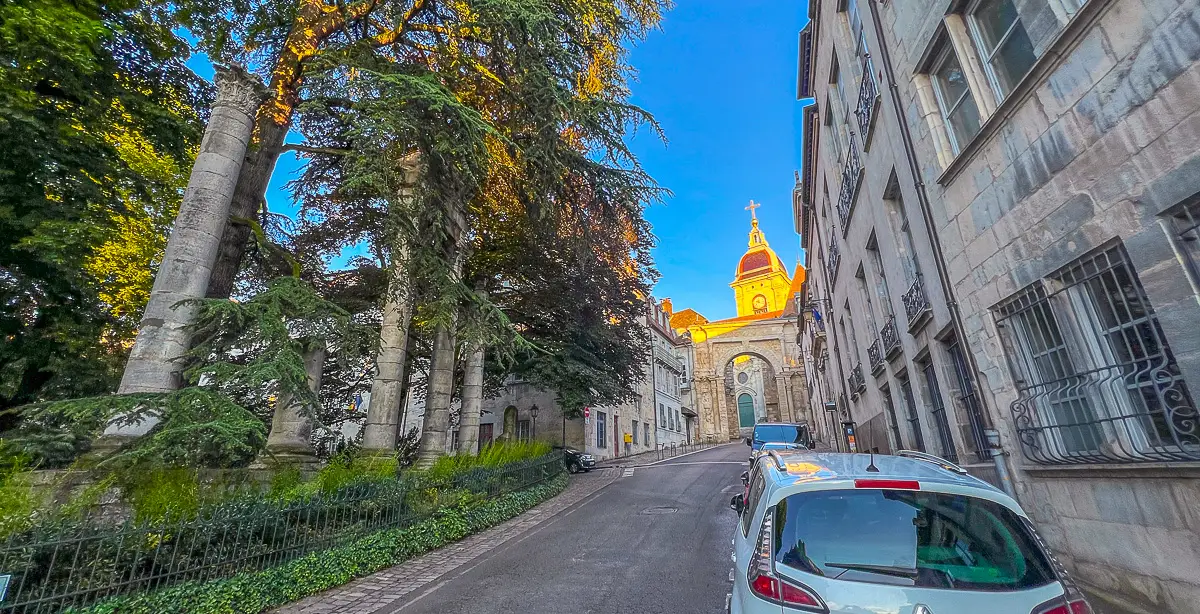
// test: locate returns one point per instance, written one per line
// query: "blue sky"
(721, 79)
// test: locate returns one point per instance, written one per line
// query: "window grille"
(1096, 379)
(1185, 226)
(914, 419)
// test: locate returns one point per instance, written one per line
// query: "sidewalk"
(663, 453)
(380, 591)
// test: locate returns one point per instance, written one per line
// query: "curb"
(623, 465)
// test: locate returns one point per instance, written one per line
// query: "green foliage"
(18, 501)
(492, 455)
(98, 112)
(257, 592)
(197, 427)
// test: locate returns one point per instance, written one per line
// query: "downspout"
(998, 454)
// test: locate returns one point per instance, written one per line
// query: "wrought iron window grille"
(916, 304)
(875, 354)
(851, 178)
(890, 338)
(1095, 376)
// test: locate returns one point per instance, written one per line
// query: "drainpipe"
(956, 320)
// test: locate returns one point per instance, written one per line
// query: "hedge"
(251, 593)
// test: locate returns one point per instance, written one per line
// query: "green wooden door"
(745, 410)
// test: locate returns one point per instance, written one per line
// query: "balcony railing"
(868, 97)
(916, 304)
(851, 174)
(875, 355)
(856, 380)
(890, 337)
(835, 257)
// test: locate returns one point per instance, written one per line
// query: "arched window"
(745, 410)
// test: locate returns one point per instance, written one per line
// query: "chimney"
(666, 306)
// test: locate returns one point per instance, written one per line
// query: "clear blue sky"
(721, 79)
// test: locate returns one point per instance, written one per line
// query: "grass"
(492, 455)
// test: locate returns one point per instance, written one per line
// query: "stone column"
(163, 336)
(472, 403)
(437, 400)
(291, 427)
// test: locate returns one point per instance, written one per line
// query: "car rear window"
(781, 433)
(911, 538)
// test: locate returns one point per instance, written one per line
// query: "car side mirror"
(737, 503)
(748, 442)
(745, 478)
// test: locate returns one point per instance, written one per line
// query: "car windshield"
(783, 433)
(911, 538)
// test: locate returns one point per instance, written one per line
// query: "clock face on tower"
(759, 303)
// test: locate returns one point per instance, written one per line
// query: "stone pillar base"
(281, 457)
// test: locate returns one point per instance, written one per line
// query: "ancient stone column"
(472, 403)
(163, 337)
(291, 426)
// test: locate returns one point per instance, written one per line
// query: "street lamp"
(533, 412)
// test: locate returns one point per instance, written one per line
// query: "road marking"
(743, 463)
(729, 489)
(628, 472)
(728, 602)
(731, 574)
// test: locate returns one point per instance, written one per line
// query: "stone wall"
(1099, 142)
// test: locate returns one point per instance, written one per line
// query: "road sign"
(4, 585)
(587, 412)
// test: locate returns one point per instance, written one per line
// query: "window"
(1003, 42)
(601, 430)
(662, 415)
(946, 540)
(454, 439)
(869, 307)
(969, 398)
(647, 438)
(522, 430)
(914, 419)
(634, 431)
(757, 485)
(678, 421)
(881, 287)
(890, 407)
(937, 409)
(1095, 377)
(1185, 224)
(954, 99)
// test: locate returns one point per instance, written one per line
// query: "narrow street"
(653, 542)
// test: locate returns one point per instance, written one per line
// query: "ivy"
(260, 591)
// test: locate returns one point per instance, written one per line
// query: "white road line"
(697, 463)
(628, 472)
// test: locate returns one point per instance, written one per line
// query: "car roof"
(780, 424)
(804, 466)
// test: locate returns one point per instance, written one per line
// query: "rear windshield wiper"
(886, 570)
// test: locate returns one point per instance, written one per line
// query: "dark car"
(577, 461)
(778, 432)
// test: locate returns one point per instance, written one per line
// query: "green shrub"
(492, 455)
(256, 592)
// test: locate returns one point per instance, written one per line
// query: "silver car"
(874, 534)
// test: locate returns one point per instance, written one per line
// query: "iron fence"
(868, 96)
(835, 258)
(851, 174)
(875, 356)
(856, 380)
(890, 337)
(72, 564)
(916, 304)
(677, 449)
(1095, 376)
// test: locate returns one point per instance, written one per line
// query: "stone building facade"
(1045, 157)
(760, 343)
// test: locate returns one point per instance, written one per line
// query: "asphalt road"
(655, 542)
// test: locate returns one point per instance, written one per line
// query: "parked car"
(907, 534)
(577, 461)
(779, 432)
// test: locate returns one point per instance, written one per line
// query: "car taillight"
(892, 484)
(1076, 605)
(766, 585)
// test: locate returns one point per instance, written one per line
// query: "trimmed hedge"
(256, 592)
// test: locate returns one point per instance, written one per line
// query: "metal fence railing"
(59, 565)
(676, 449)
